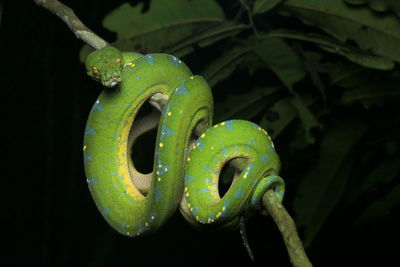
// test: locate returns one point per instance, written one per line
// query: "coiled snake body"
(185, 171)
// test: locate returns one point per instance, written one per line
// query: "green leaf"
(281, 114)
(166, 24)
(379, 35)
(213, 34)
(374, 93)
(278, 117)
(379, 5)
(307, 118)
(370, 94)
(312, 63)
(224, 65)
(362, 58)
(322, 187)
(261, 6)
(383, 173)
(381, 208)
(336, 47)
(243, 106)
(344, 74)
(282, 60)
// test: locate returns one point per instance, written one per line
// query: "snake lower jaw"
(111, 82)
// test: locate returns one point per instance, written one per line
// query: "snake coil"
(185, 171)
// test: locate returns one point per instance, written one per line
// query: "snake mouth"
(112, 81)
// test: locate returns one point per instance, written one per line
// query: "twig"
(74, 23)
(250, 17)
(287, 228)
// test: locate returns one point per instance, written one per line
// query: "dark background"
(48, 216)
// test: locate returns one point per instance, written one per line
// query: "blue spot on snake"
(225, 151)
(150, 59)
(265, 158)
(189, 179)
(195, 211)
(175, 61)
(158, 194)
(105, 212)
(239, 194)
(251, 141)
(152, 215)
(227, 203)
(182, 90)
(272, 148)
(250, 167)
(199, 144)
(122, 229)
(255, 126)
(210, 169)
(163, 169)
(229, 125)
(97, 106)
(204, 190)
(165, 132)
(89, 130)
(91, 181)
(87, 158)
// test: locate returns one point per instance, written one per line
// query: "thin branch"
(74, 23)
(250, 17)
(287, 228)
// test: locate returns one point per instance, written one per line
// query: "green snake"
(189, 153)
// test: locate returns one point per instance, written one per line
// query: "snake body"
(186, 167)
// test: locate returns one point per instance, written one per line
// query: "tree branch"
(74, 23)
(287, 228)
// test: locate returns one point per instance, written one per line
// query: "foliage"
(320, 76)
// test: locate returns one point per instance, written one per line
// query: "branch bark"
(73, 22)
(287, 228)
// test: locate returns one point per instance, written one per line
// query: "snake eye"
(119, 61)
(95, 70)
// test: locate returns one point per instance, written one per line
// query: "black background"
(48, 216)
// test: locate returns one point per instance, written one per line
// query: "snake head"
(105, 65)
